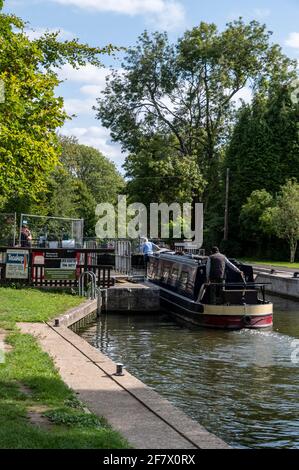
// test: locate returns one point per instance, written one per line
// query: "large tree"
(156, 174)
(264, 150)
(31, 111)
(186, 92)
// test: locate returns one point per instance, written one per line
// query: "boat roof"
(183, 259)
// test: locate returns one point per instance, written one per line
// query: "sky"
(120, 22)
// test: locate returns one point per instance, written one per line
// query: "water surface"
(240, 385)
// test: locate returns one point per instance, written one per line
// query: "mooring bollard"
(119, 369)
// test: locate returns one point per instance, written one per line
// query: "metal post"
(225, 237)
(15, 230)
(21, 223)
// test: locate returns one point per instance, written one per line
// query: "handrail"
(93, 279)
(246, 284)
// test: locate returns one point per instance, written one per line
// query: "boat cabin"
(186, 275)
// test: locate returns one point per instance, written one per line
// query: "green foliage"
(283, 218)
(263, 214)
(183, 95)
(252, 211)
(32, 305)
(264, 149)
(31, 112)
(84, 179)
(158, 174)
(73, 418)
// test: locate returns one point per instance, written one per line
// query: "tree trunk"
(293, 249)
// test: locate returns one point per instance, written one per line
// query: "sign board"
(17, 264)
(60, 265)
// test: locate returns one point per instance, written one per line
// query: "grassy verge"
(282, 264)
(32, 305)
(69, 425)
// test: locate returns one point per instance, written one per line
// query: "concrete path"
(143, 417)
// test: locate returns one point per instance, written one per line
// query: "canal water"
(241, 385)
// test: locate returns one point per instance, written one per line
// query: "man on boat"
(148, 249)
(215, 272)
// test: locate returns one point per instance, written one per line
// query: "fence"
(44, 267)
(50, 232)
(123, 256)
(189, 247)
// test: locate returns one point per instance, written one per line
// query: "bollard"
(56, 322)
(119, 369)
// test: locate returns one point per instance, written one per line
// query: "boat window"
(153, 270)
(165, 274)
(183, 280)
(150, 271)
(174, 276)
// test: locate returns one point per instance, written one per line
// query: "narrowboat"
(185, 293)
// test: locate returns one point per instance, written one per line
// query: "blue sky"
(119, 22)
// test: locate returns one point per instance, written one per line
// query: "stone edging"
(76, 314)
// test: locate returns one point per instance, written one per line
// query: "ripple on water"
(240, 385)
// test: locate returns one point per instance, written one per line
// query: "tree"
(252, 226)
(185, 91)
(263, 151)
(283, 218)
(31, 112)
(92, 168)
(157, 174)
(83, 179)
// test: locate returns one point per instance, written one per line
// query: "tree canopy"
(184, 94)
(31, 112)
(278, 216)
(263, 152)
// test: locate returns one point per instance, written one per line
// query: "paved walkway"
(143, 417)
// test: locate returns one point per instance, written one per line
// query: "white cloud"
(38, 32)
(293, 40)
(78, 107)
(88, 74)
(92, 90)
(98, 137)
(166, 14)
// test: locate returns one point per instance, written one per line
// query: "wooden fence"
(56, 267)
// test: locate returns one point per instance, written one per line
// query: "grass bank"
(37, 409)
(32, 305)
(282, 264)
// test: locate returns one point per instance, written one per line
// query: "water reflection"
(240, 385)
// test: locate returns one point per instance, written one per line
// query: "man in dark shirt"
(215, 271)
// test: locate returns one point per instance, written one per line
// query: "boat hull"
(232, 317)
